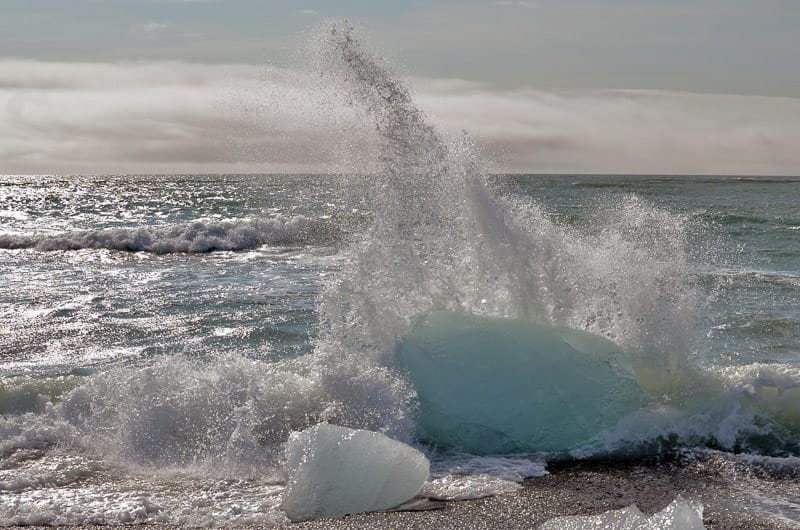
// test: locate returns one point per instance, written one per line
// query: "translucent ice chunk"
(491, 385)
(679, 515)
(334, 471)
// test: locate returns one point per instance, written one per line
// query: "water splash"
(445, 238)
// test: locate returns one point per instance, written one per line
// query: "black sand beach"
(729, 496)
(587, 488)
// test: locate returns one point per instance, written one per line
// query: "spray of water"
(445, 238)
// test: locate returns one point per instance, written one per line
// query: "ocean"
(155, 327)
(162, 335)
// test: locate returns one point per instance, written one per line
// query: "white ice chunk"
(335, 471)
(679, 515)
(493, 385)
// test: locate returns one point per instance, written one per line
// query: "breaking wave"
(195, 237)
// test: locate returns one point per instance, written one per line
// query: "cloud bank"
(176, 117)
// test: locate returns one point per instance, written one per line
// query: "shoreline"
(587, 488)
(581, 488)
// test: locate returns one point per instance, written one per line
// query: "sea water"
(163, 335)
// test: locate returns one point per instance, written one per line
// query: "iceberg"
(489, 385)
(334, 471)
(679, 515)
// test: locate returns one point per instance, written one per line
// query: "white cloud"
(309, 12)
(161, 116)
(626, 131)
(58, 117)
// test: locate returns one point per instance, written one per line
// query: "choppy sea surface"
(149, 324)
(163, 335)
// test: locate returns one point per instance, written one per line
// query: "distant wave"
(753, 275)
(733, 219)
(194, 237)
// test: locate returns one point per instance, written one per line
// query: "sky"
(618, 86)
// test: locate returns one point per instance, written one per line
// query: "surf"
(199, 236)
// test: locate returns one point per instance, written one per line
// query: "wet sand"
(585, 488)
(729, 496)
